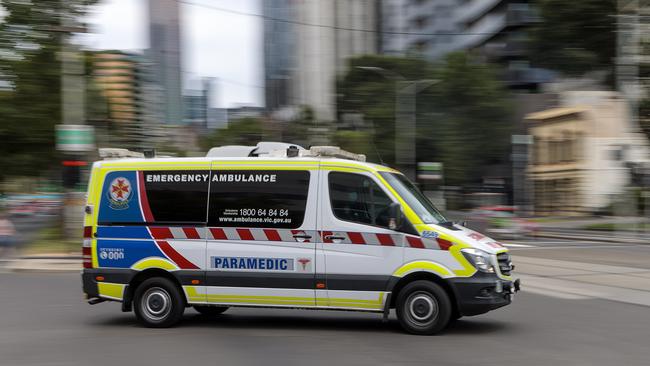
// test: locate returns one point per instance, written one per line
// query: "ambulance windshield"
(414, 198)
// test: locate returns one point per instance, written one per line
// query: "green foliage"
(30, 73)
(373, 94)
(575, 37)
(463, 121)
(474, 122)
(359, 142)
(250, 131)
(246, 131)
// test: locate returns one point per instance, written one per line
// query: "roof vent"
(115, 153)
(263, 148)
(334, 152)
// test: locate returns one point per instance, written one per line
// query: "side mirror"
(395, 216)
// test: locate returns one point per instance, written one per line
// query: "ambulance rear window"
(155, 197)
(258, 198)
(178, 197)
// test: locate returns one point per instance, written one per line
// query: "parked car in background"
(502, 222)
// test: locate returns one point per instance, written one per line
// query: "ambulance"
(276, 225)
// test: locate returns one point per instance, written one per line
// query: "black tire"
(158, 303)
(423, 308)
(209, 310)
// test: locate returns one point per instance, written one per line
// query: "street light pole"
(405, 116)
(405, 126)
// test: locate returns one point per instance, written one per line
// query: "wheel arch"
(400, 283)
(127, 302)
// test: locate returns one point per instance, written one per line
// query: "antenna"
(374, 146)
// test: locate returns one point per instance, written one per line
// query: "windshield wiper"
(448, 225)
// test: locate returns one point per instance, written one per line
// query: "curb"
(593, 238)
(57, 265)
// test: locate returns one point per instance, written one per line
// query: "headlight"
(479, 259)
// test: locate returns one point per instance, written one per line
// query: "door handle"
(334, 237)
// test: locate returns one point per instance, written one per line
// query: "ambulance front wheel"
(210, 310)
(423, 307)
(158, 303)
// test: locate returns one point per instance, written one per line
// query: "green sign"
(75, 138)
(429, 170)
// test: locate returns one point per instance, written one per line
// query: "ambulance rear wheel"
(210, 310)
(158, 303)
(423, 307)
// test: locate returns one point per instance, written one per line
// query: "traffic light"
(71, 173)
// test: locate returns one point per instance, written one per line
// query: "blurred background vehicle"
(502, 222)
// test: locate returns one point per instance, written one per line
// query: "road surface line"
(512, 245)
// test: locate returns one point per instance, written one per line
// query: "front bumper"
(482, 293)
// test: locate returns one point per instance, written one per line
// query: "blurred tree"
(297, 130)
(575, 37)
(471, 123)
(30, 81)
(246, 131)
(250, 131)
(463, 121)
(359, 142)
(372, 94)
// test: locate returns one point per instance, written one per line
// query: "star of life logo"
(119, 193)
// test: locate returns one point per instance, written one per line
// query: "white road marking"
(512, 245)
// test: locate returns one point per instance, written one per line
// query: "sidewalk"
(578, 280)
(602, 236)
(42, 263)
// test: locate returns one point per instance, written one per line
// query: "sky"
(215, 43)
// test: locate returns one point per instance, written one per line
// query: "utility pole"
(633, 21)
(73, 141)
(405, 126)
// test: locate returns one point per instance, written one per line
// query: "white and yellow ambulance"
(276, 225)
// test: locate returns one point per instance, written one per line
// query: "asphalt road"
(44, 321)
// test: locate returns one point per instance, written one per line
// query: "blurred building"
(244, 111)
(430, 28)
(393, 25)
(132, 98)
(305, 54)
(165, 54)
(581, 153)
(279, 52)
(493, 29)
(498, 30)
(196, 103)
(116, 76)
(217, 118)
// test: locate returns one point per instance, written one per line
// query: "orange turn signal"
(99, 278)
(320, 285)
(195, 282)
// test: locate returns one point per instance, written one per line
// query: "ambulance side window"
(258, 198)
(357, 198)
(177, 197)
